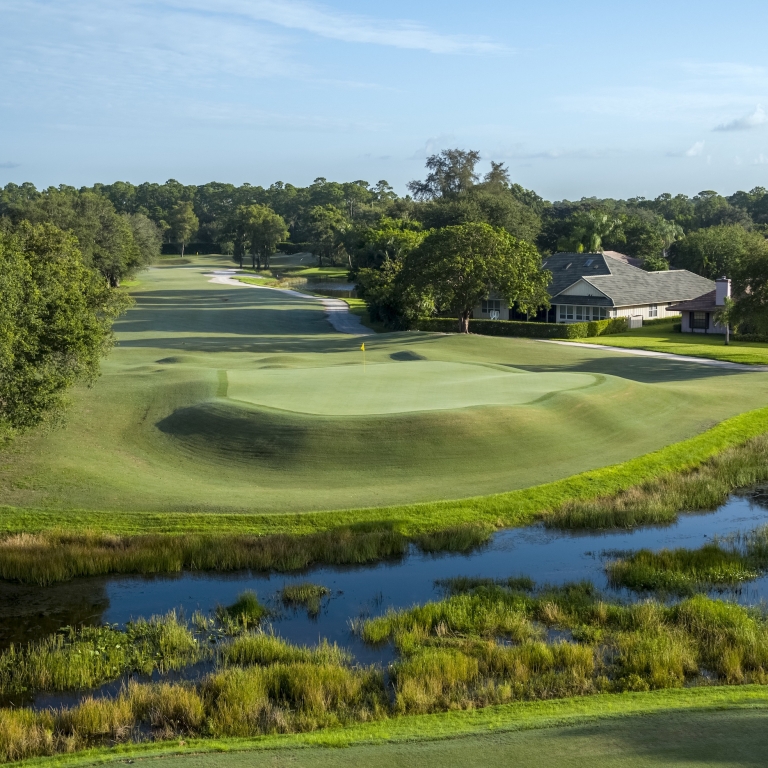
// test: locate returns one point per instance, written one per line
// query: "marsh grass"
(245, 612)
(718, 565)
(483, 644)
(657, 501)
(304, 594)
(46, 558)
(85, 657)
(459, 538)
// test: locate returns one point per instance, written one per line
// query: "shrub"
(527, 329)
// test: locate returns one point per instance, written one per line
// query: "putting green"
(224, 398)
(401, 387)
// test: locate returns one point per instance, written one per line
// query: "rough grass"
(657, 501)
(660, 337)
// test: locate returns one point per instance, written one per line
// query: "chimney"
(722, 290)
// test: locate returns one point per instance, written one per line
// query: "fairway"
(223, 398)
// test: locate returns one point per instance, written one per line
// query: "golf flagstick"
(362, 346)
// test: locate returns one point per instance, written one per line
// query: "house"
(598, 286)
(698, 315)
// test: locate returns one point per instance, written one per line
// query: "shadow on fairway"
(641, 369)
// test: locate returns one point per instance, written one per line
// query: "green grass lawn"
(661, 338)
(220, 399)
(693, 727)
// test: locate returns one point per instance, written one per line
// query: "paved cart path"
(662, 355)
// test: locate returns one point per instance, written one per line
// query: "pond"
(553, 557)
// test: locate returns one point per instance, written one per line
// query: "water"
(553, 557)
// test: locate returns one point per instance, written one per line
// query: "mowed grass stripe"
(515, 508)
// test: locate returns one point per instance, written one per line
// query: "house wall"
(478, 314)
(644, 310)
(685, 325)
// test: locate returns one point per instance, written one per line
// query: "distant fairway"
(241, 399)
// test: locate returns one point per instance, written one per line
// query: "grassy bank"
(701, 472)
(487, 646)
(661, 338)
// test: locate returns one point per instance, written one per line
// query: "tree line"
(456, 236)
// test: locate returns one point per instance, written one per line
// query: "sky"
(617, 99)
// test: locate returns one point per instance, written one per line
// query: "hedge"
(527, 329)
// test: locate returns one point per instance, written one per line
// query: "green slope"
(229, 399)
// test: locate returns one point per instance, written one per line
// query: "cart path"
(663, 355)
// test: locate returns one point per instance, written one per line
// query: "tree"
(588, 229)
(725, 317)
(183, 223)
(715, 251)
(146, 236)
(55, 323)
(451, 172)
(262, 229)
(750, 287)
(457, 267)
(327, 227)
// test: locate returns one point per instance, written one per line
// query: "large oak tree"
(457, 267)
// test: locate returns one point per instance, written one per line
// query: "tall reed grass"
(46, 558)
(658, 501)
(485, 643)
(82, 658)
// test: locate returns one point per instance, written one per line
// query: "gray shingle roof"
(622, 283)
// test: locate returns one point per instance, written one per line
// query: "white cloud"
(351, 28)
(746, 123)
(761, 159)
(695, 150)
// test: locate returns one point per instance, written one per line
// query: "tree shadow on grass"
(644, 370)
(735, 737)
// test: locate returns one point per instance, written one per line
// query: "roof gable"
(622, 283)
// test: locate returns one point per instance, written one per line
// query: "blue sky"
(578, 98)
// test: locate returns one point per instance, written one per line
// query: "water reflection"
(545, 556)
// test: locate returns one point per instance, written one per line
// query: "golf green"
(400, 387)
(233, 398)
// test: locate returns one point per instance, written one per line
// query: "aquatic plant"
(722, 563)
(82, 658)
(244, 612)
(305, 594)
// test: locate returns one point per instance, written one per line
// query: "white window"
(653, 310)
(491, 305)
(579, 313)
(569, 312)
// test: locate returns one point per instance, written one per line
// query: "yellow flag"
(362, 346)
